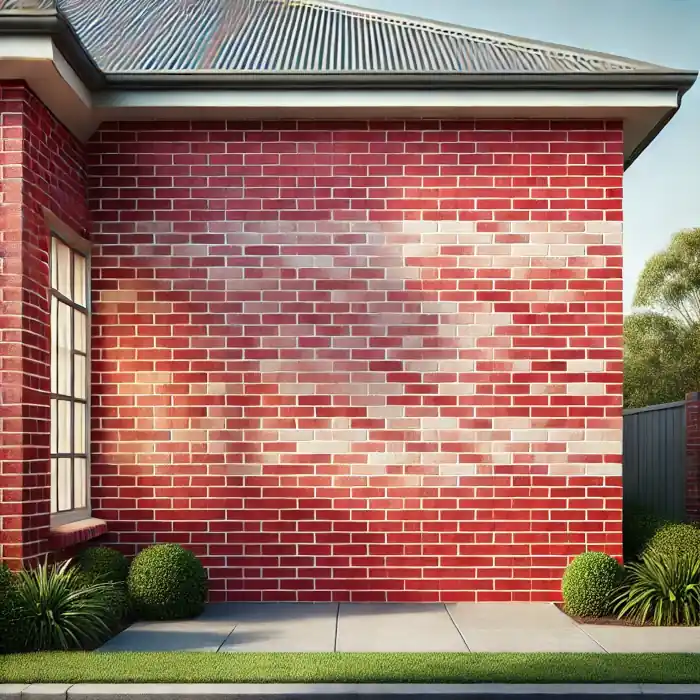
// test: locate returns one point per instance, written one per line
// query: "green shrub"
(639, 525)
(6, 607)
(167, 582)
(53, 612)
(100, 564)
(676, 538)
(106, 565)
(589, 583)
(663, 587)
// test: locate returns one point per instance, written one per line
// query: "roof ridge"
(481, 35)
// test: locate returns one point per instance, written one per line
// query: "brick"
(351, 361)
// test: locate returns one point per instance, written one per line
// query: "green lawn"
(176, 667)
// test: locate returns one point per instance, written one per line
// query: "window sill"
(62, 536)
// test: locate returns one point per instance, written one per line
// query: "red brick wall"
(41, 165)
(371, 361)
(692, 456)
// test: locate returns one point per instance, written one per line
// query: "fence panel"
(654, 458)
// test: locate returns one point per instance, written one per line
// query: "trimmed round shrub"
(167, 582)
(106, 565)
(676, 538)
(101, 564)
(639, 525)
(114, 593)
(589, 583)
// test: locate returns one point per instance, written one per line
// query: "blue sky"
(662, 188)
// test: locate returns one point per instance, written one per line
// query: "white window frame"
(57, 229)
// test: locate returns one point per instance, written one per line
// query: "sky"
(662, 187)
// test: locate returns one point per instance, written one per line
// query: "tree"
(662, 335)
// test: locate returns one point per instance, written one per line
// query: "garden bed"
(609, 620)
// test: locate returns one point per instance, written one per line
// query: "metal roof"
(302, 37)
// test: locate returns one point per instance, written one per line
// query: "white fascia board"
(610, 102)
(641, 111)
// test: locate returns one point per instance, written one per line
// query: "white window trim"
(56, 227)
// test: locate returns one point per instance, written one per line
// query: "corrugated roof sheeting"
(306, 36)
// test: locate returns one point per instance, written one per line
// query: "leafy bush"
(663, 587)
(639, 525)
(589, 583)
(6, 607)
(53, 612)
(167, 582)
(100, 564)
(106, 565)
(676, 538)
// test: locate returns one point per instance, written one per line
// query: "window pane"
(64, 435)
(69, 380)
(79, 428)
(54, 340)
(79, 331)
(80, 483)
(80, 388)
(64, 349)
(54, 483)
(53, 263)
(80, 280)
(64, 484)
(63, 265)
(54, 427)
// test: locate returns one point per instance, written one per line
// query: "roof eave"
(59, 29)
(55, 25)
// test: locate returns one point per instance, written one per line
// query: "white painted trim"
(614, 100)
(71, 78)
(26, 47)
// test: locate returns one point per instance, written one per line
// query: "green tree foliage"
(662, 336)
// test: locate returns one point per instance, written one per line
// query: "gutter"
(231, 80)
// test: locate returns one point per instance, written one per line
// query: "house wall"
(41, 166)
(360, 361)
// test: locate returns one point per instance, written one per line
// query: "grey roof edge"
(55, 25)
(681, 80)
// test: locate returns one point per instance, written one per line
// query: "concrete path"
(387, 627)
(349, 691)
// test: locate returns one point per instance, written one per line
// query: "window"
(70, 323)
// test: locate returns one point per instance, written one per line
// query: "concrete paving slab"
(201, 634)
(46, 691)
(621, 639)
(519, 627)
(279, 626)
(374, 691)
(391, 627)
(12, 691)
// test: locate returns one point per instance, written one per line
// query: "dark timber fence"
(654, 458)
